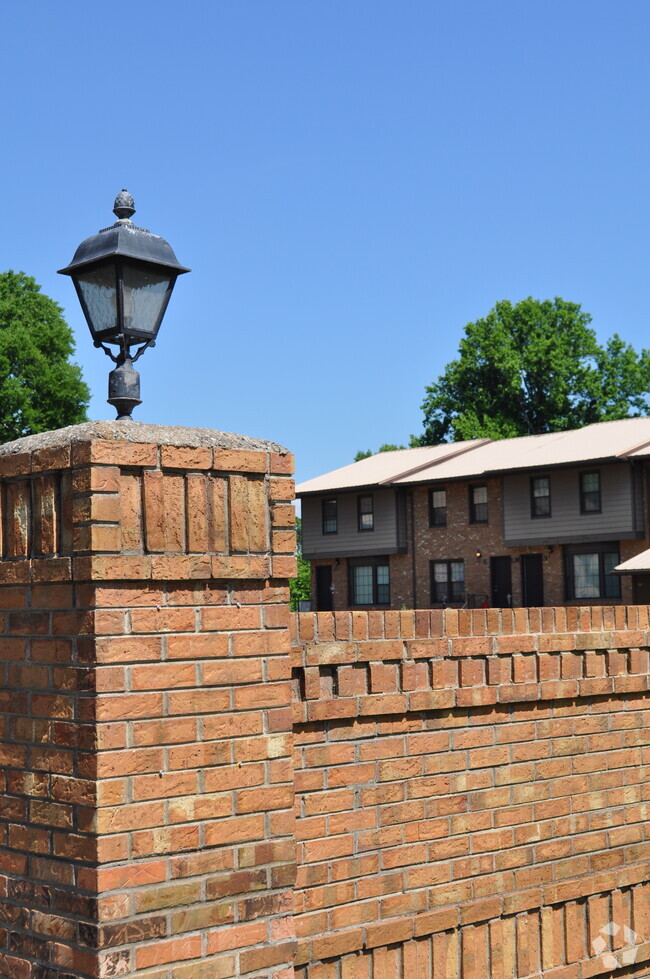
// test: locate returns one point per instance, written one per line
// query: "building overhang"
(353, 552)
(572, 539)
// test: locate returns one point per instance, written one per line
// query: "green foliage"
(39, 388)
(530, 368)
(300, 586)
(386, 447)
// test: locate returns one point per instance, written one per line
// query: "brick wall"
(470, 787)
(146, 782)
(472, 793)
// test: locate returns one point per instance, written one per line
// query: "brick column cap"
(130, 501)
(138, 432)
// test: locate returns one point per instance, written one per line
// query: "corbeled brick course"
(471, 793)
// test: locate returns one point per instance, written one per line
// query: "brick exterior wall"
(472, 793)
(460, 540)
(146, 782)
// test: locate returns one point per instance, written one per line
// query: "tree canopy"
(386, 447)
(533, 367)
(300, 586)
(40, 389)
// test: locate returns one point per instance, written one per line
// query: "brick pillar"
(146, 779)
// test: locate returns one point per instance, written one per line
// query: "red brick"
(188, 459)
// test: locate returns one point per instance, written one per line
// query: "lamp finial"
(124, 205)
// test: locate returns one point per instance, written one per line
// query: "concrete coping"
(140, 432)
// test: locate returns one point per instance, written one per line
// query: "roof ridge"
(632, 448)
(468, 447)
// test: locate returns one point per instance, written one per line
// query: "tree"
(386, 447)
(39, 388)
(533, 367)
(300, 586)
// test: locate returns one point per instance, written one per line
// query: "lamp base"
(124, 389)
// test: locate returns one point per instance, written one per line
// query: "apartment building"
(550, 519)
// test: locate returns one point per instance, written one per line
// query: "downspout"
(639, 487)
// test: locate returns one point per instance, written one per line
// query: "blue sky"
(351, 182)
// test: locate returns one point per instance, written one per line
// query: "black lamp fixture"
(124, 278)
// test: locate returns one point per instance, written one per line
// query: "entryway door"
(532, 580)
(501, 579)
(641, 589)
(324, 588)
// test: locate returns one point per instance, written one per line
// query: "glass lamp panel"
(145, 294)
(98, 293)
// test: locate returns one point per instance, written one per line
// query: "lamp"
(124, 278)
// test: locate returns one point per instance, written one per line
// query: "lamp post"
(124, 278)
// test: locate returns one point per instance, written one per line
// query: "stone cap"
(140, 432)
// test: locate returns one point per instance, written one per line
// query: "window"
(437, 508)
(365, 513)
(369, 581)
(540, 496)
(330, 521)
(589, 570)
(590, 492)
(447, 582)
(478, 510)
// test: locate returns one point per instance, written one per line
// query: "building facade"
(542, 520)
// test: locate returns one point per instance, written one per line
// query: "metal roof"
(384, 468)
(628, 438)
(640, 562)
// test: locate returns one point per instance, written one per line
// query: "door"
(501, 578)
(641, 586)
(532, 580)
(324, 588)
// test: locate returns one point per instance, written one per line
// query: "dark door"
(324, 588)
(532, 580)
(501, 578)
(641, 586)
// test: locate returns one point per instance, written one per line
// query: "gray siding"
(639, 508)
(401, 520)
(619, 519)
(348, 542)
